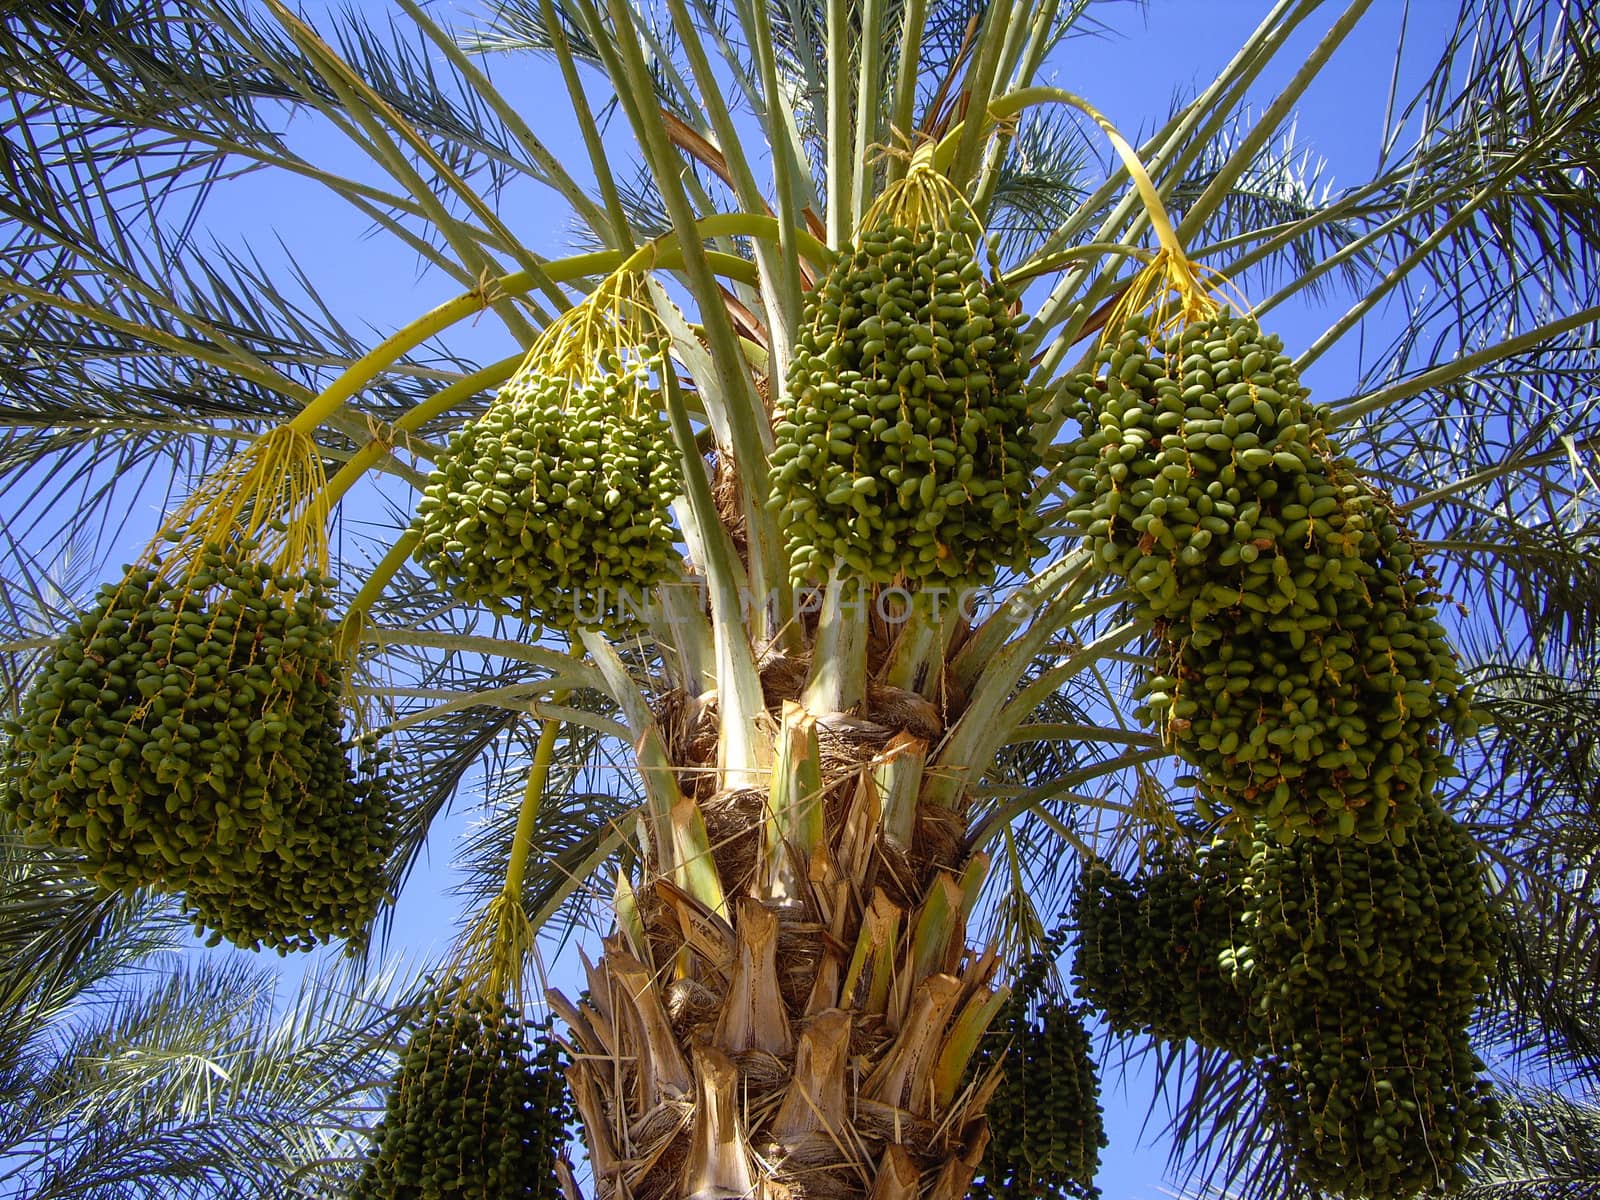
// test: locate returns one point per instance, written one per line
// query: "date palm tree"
(1549, 1152)
(128, 1070)
(826, 830)
(1545, 1151)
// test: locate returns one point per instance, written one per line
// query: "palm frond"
(1508, 499)
(122, 1074)
(520, 26)
(1513, 99)
(1040, 182)
(1480, 185)
(1284, 194)
(1548, 1149)
(1224, 1141)
(1536, 779)
(186, 1086)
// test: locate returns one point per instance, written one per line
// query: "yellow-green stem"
(664, 252)
(1049, 263)
(905, 86)
(763, 226)
(440, 402)
(379, 577)
(387, 352)
(544, 753)
(1013, 104)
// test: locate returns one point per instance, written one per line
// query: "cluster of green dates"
(1046, 1125)
(1348, 971)
(1148, 948)
(1366, 963)
(556, 504)
(476, 1110)
(906, 446)
(1302, 668)
(186, 736)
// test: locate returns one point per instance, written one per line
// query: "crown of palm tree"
(732, 150)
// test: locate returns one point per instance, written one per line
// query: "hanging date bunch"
(187, 734)
(556, 504)
(1150, 949)
(1301, 668)
(906, 445)
(1367, 962)
(478, 1109)
(1349, 971)
(1045, 1121)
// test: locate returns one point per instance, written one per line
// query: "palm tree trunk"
(802, 1027)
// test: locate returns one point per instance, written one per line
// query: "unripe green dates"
(1045, 1121)
(1366, 964)
(556, 504)
(476, 1111)
(1288, 566)
(212, 764)
(1150, 949)
(907, 413)
(1349, 971)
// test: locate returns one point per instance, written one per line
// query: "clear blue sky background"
(1132, 74)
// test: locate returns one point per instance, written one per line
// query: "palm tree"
(1544, 1152)
(127, 1071)
(827, 832)
(1548, 1152)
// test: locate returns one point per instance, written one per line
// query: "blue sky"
(1131, 74)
